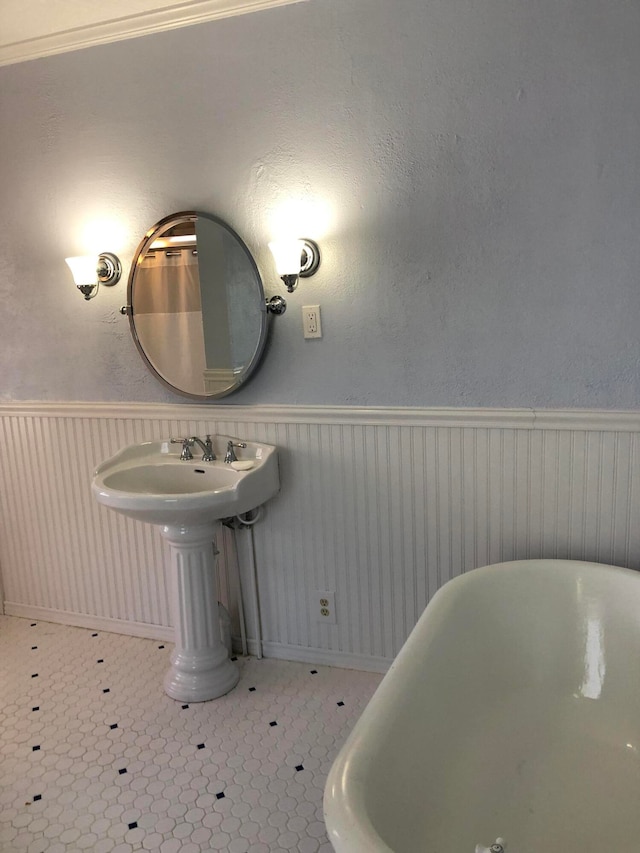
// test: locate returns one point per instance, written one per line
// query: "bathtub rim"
(348, 825)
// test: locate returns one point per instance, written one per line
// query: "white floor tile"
(95, 757)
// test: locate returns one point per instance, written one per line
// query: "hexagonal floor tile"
(94, 756)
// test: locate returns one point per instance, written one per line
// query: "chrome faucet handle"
(230, 455)
(186, 443)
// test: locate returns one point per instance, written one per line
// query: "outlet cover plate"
(323, 607)
(311, 322)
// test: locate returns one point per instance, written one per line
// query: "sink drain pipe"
(231, 524)
(246, 522)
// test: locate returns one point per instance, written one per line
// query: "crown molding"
(131, 26)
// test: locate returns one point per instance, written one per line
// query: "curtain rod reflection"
(174, 253)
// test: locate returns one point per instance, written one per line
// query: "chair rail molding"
(616, 420)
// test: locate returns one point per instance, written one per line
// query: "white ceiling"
(33, 28)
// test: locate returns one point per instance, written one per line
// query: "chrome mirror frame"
(161, 227)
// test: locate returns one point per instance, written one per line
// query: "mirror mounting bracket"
(276, 305)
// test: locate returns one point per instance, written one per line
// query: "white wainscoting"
(380, 505)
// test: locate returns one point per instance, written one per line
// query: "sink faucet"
(230, 455)
(207, 448)
(187, 443)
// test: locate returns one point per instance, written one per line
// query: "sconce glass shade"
(83, 269)
(287, 255)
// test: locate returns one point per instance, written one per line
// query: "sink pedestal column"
(200, 665)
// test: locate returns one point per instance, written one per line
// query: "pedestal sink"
(186, 499)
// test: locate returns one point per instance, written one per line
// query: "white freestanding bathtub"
(512, 712)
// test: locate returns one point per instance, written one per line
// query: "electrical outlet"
(323, 606)
(311, 321)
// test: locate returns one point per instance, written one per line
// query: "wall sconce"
(90, 272)
(295, 259)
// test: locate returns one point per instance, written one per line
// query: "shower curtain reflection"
(168, 316)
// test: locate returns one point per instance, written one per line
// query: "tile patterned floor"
(95, 757)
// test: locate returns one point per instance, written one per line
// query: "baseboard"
(320, 657)
(279, 651)
(96, 623)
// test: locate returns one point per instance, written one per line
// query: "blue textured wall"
(471, 170)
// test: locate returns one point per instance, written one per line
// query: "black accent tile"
(35, 748)
(200, 746)
(251, 689)
(273, 723)
(339, 704)
(33, 624)
(94, 635)
(34, 675)
(113, 726)
(33, 647)
(122, 770)
(133, 824)
(37, 797)
(161, 647)
(100, 660)
(106, 690)
(184, 707)
(220, 795)
(313, 671)
(299, 767)
(36, 708)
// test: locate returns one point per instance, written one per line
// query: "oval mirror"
(196, 305)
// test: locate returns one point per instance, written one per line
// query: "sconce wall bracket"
(109, 269)
(310, 258)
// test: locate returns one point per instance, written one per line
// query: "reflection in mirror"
(197, 308)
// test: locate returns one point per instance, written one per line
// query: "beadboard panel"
(381, 506)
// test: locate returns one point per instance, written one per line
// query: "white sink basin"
(151, 483)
